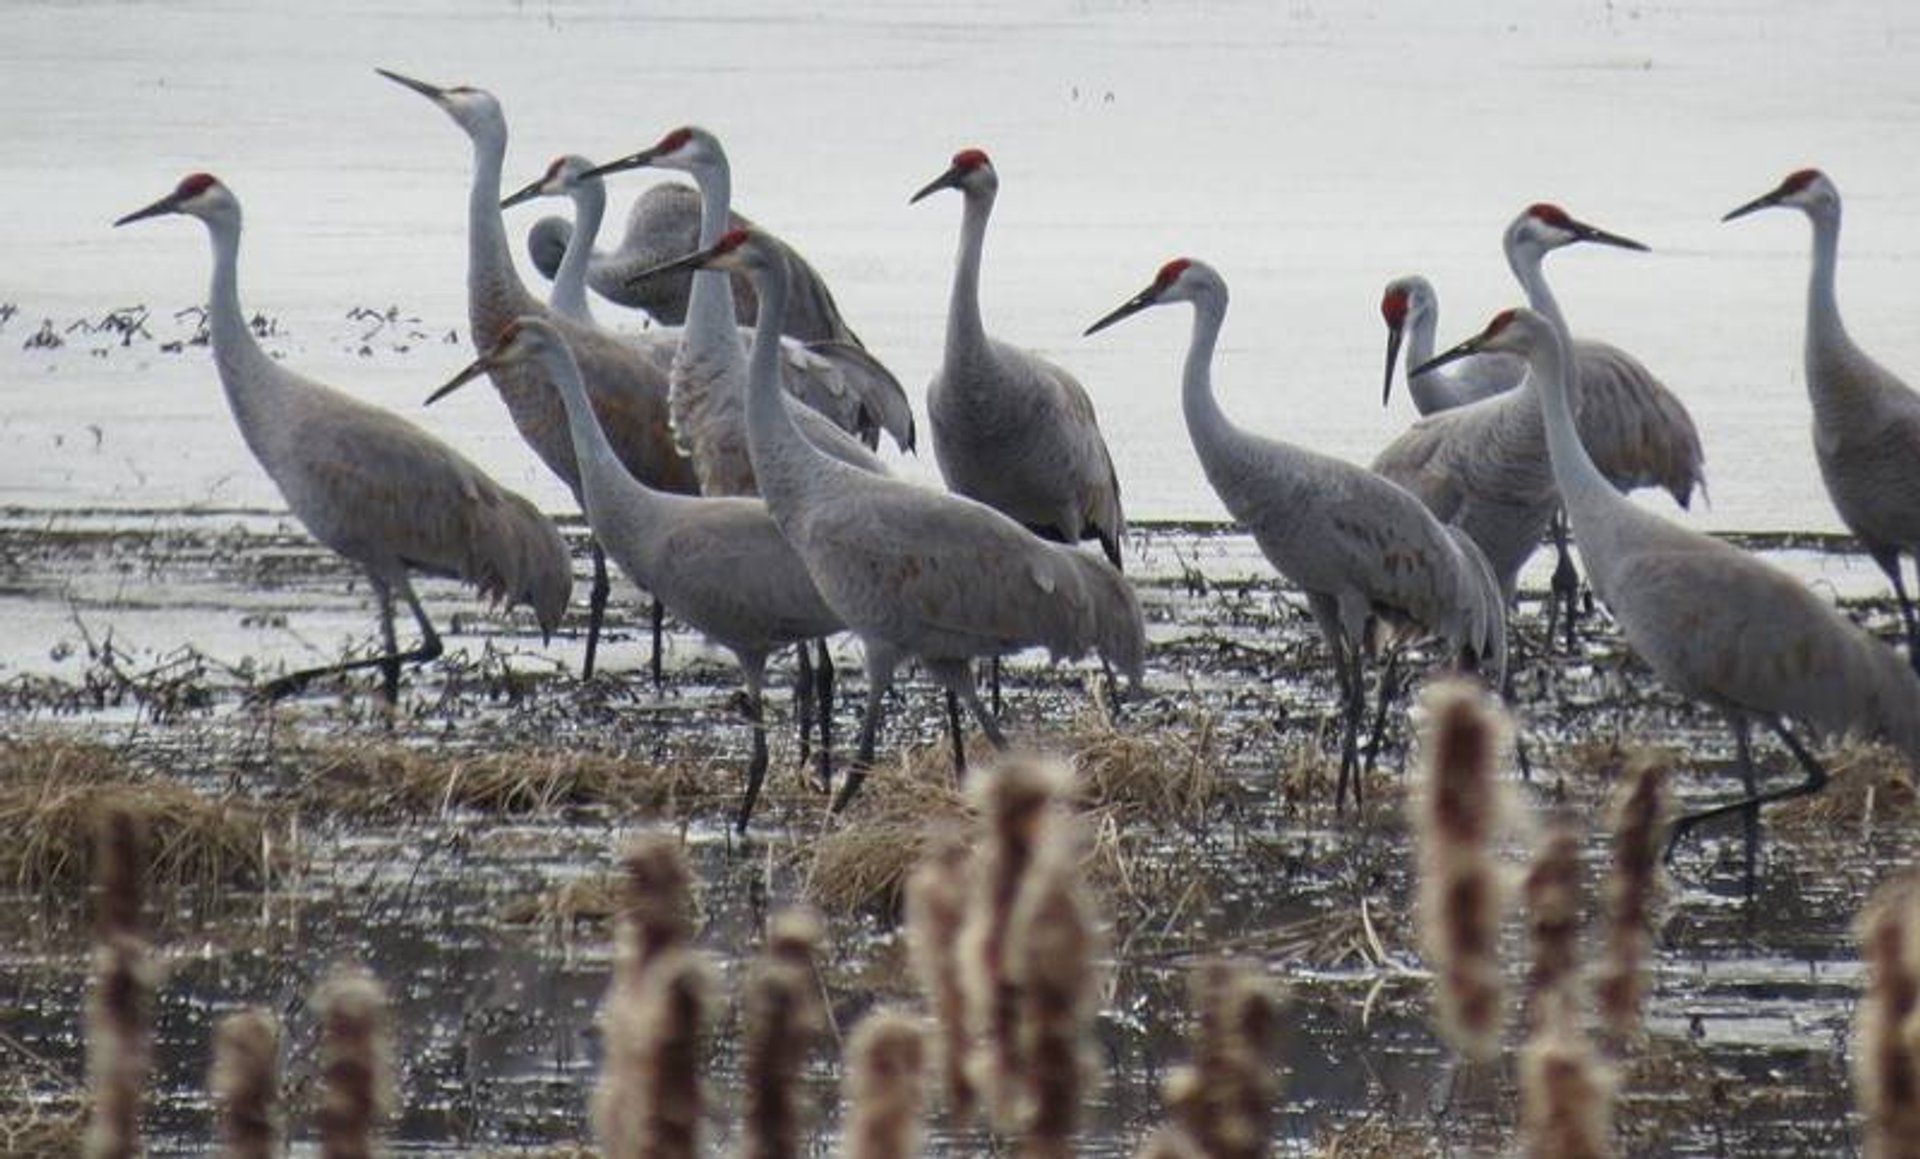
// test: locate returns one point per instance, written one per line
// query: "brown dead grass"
(1870, 789)
(1376, 1138)
(53, 793)
(380, 779)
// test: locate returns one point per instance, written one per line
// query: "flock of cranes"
(727, 461)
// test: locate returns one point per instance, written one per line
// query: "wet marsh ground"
(462, 847)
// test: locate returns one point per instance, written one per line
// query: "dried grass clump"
(862, 863)
(1886, 1056)
(120, 1003)
(886, 1080)
(1223, 1100)
(1157, 777)
(1633, 884)
(1378, 1138)
(936, 903)
(1869, 787)
(382, 778)
(356, 1063)
(783, 1018)
(246, 1083)
(53, 794)
(1566, 1097)
(1455, 815)
(1552, 892)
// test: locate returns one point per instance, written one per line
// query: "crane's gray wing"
(878, 401)
(1085, 448)
(743, 572)
(1638, 433)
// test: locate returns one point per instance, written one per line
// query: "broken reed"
(1455, 814)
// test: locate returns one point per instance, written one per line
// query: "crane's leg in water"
(596, 606)
(803, 698)
(1384, 693)
(880, 666)
(988, 724)
(1356, 711)
(755, 672)
(1889, 562)
(958, 735)
(659, 624)
(823, 673)
(994, 668)
(389, 662)
(1815, 780)
(1566, 583)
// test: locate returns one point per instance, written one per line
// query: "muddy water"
(1750, 1002)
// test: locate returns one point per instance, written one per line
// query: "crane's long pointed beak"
(948, 180)
(640, 160)
(474, 369)
(1470, 346)
(165, 205)
(1764, 201)
(1595, 234)
(1394, 334)
(698, 260)
(431, 92)
(527, 192)
(1131, 306)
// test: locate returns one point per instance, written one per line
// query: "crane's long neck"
(1831, 357)
(1527, 264)
(569, 293)
(1420, 336)
(783, 461)
(495, 294)
(966, 333)
(605, 484)
(1583, 489)
(710, 319)
(1207, 424)
(247, 374)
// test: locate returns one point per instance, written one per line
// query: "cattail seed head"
(1886, 1063)
(1224, 1103)
(355, 1063)
(246, 1083)
(936, 907)
(886, 1076)
(120, 1003)
(1456, 813)
(783, 1016)
(1566, 1097)
(648, 1103)
(656, 901)
(1633, 884)
(1553, 925)
(1052, 941)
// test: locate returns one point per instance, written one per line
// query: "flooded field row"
(463, 847)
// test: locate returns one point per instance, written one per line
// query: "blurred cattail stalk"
(1886, 1049)
(886, 1069)
(1639, 828)
(1553, 924)
(1223, 1102)
(356, 1084)
(1051, 944)
(1455, 815)
(936, 906)
(246, 1083)
(120, 1004)
(1566, 1096)
(782, 1016)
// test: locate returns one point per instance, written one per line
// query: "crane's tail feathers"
(880, 393)
(519, 557)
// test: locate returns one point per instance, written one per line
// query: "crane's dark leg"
(803, 698)
(1815, 780)
(988, 725)
(823, 673)
(1355, 710)
(956, 732)
(596, 606)
(757, 765)
(659, 624)
(1384, 692)
(880, 668)
(389, 662)
(1889, 562)
(1566, 582)
(993, 670)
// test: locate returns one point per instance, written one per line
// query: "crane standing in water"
(1374, 563)
(1866, 422)
(1713, 622)
(365, 482)
(915, 572)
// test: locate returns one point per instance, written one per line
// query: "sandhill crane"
(626, 379)
(1866, 422)
(915, 572)
(1011, 429)
(563, 178)
(367, 483)
(664, 224)
(719, 564)
(1373, 562)
(1411, 310)
(708, 392)
(1712, 621)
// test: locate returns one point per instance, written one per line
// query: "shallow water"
(1311, 151)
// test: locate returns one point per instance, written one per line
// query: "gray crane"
(368, 484)
(626, 379)
(843, 389)
(915, 572)
(1866, 422)
(566, 177)
(718, 563)
(664, 224)
(1411, 310)
(1375, 565)
(1713, 622)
